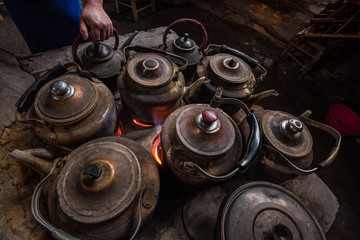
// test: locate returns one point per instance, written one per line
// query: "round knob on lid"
(232, 62)
(208, 121)
(151, 64)
(292, 128)
(60, 90)
(209, 116)
(91, 173)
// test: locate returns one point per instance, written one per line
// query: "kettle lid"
(287, 134)
(99, 181)
(263, 210)
(226, 68)
(150, 70)
(98, 52)
(205, 130)
(66, 99)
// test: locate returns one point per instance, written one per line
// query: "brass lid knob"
(61, 91)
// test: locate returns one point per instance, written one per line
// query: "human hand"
(93, 17)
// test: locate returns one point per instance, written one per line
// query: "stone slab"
(13, 83)
(317, 197)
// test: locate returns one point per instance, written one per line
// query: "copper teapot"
(185, 47)
(201, 144)
(105, 189)
(287, 148)
(70, 110)
(151, 85)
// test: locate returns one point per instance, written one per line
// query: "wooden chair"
(132, 5)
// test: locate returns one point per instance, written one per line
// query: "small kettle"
(102, 61)
(186, 47)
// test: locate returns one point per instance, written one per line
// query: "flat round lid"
(66, 99)
(150, 70)
(229, 68)
(205, 130)
(287, 134)
(99, 181)
(262, 210)
(184, 44)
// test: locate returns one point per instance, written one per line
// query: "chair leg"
(153, 9)
(117, 6)
(134, 10)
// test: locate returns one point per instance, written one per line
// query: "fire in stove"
(156, 149)
(140, 123)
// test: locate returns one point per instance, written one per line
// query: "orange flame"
(119, 131)
(156, 149)
(141, 124)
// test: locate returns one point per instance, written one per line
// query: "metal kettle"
(105, 189)
(101, 60)
(200, 144)
(185, 47)
(287, 148)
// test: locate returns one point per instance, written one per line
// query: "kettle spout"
(191, 90)
(29, 157)
(257, 97)
(129, 40)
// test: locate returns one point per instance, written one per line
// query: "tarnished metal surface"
(216, 153)
(262, 210)
(299, 147)
(115, 210)
(89, 116)
(151, 87)
(73, 109)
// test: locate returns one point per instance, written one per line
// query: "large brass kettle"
(105, 189)
(69, 110)
(151, 85)
(201, 144)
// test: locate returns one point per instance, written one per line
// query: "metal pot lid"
(205, 130)
(98, 52)
(184, 44)
(287, 134)
(66, 99)
(150, 70)
(228, 68)
(99, 181)
(262, 210)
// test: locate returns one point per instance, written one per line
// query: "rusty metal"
(183, 141)
(108, 188)
(151, 86)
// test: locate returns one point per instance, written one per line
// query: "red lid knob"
(209, 116)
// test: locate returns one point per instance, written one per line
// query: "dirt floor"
(259, 40)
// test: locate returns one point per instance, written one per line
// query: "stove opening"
(119, 131)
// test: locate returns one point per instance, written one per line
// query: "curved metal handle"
(77, 41)
(186, 20)
(143, 49)
(335, 150)
(55, 232)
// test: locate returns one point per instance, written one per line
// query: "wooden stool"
(132, 5)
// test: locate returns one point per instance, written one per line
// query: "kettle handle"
(330, 158)
(253, 144)
(143, 49)
(77, 41)
(35, 202)
(186, 20)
